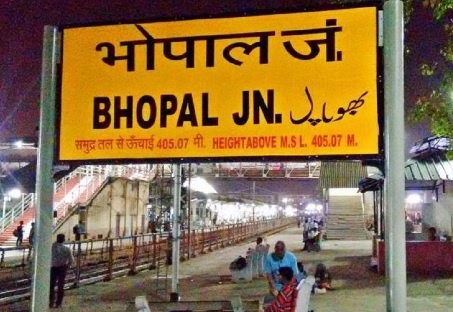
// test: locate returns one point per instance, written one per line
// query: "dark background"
(22, 23)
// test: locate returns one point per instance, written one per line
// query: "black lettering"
(142, 122)
(206, 119)
(166, 110)
(101, 115)
(240, 121)
(187, 112)
(119, 112)
(266, 108)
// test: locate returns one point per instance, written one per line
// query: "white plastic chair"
(304, 291)
(141, 304)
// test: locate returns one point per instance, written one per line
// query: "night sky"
(21, 29)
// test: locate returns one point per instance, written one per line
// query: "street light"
(285, 204)
(19, 144)
(14, 193)
(5, 199)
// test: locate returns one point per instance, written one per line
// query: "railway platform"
(207, 278)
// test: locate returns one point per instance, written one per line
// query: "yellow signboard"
(294, 84)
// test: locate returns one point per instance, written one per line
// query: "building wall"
(66, 228)
(119, 209)
(368, 203)
(427, 258)
(439, 214)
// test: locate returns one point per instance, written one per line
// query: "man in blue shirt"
(274, 261)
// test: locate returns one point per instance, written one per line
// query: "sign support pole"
(176, 233)
(44, 185)
(395, 240)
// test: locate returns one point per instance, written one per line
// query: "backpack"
(75, 229)
(238, 264)
(16, 233)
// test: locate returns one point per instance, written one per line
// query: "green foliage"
(436, 108)
(441, 8)
(437, 111)
(408, 6)
(428, 70)
(408, 10)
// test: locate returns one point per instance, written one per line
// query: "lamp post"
(285, 202)
(253, 205)
(5, 199)
(14, 193)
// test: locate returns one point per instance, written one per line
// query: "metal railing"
(95, 176)
(27, 201)
(99, 260)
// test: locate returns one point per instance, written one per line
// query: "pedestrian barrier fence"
(104, 259)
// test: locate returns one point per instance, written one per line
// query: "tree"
(436, 107)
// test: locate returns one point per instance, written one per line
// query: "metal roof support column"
(395, 240)
(176, 233)
(44, 186)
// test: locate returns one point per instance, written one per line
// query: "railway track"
(17, 287)
(104, 260)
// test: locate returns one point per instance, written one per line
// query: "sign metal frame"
(193, 109)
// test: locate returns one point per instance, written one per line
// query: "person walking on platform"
(274, 261)
(20, 233)
(31, 236)
(306, 227)
(62, 260)
(31, 239)
(77, 230)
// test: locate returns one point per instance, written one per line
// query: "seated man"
(276, 260)
(432, 234)
(285, 299)
(312, 240)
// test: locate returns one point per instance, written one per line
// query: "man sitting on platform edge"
(274, 261)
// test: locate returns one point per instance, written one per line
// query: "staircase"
(87, 189)
(78, 187)
(345, 220)
(7, 238)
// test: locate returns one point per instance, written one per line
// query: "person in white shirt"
(312, 241)
(62, 260)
